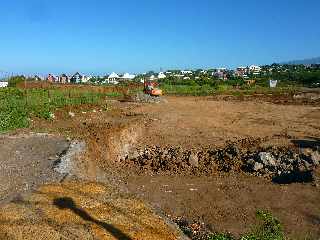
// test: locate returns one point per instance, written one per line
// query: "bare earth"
(193, 121)
(224, 202)
(228, 203)
(27, 161)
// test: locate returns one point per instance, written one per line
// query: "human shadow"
(68, 203)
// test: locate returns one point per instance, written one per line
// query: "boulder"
(267, 159)
(315, 157)
(257, 166)
(194, 160)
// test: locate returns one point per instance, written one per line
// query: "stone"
(194, 160)
(315, 157)
(267, 159)
(257, 166)
(71, 114)
(134, 155)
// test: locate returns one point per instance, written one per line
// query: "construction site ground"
(103, 198)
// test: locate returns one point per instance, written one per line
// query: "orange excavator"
(150, 88)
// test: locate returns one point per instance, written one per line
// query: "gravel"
(27, 161)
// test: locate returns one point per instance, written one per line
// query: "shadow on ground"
(294, 177)
(68, 203)
(309, 142)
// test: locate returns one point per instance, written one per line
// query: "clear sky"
(99, 36)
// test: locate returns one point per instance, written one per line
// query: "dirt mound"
(141, 97)
(242, 156)
(81, 211)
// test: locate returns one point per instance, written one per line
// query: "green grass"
(18, 106)
(269, 228)
(186, 90)
(207, 90)
(114, 94)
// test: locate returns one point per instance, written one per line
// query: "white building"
(186, 72)
(255, 69)
(3, 84)
(152, 78)
(113, 78)
(128, 76)
(85, 79)
(161, 75)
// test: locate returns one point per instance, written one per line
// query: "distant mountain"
(308, 61)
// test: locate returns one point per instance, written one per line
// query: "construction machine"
(150, 87)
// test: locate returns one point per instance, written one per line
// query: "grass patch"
(269, 228)
(186, 90)
(208, 90)
(18, 106)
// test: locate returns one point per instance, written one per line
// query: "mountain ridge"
(315, 60)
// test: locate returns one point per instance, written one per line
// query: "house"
(186, 72)
(52, 78)
(38, 78)
(3, 84)
(63, 78)
(76, 78)
(241, 72)
(255, 70)
(178, 75)
(152, 78)
(128, 77)
(113, 78)
(220, 75)
(161, 75)
(86, 79)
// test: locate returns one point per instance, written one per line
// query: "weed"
(18, 106)
(220, 236)
(270, 228)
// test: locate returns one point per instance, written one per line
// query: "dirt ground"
(193, 121)
(27, 161)
(224, 202)
(81, 210)
(228, 203)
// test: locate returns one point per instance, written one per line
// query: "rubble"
(315, 157)
(146, 98)
(272, 162)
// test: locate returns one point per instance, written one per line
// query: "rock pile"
(267, 162)
(146, 98)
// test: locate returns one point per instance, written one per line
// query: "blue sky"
(99, 36)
